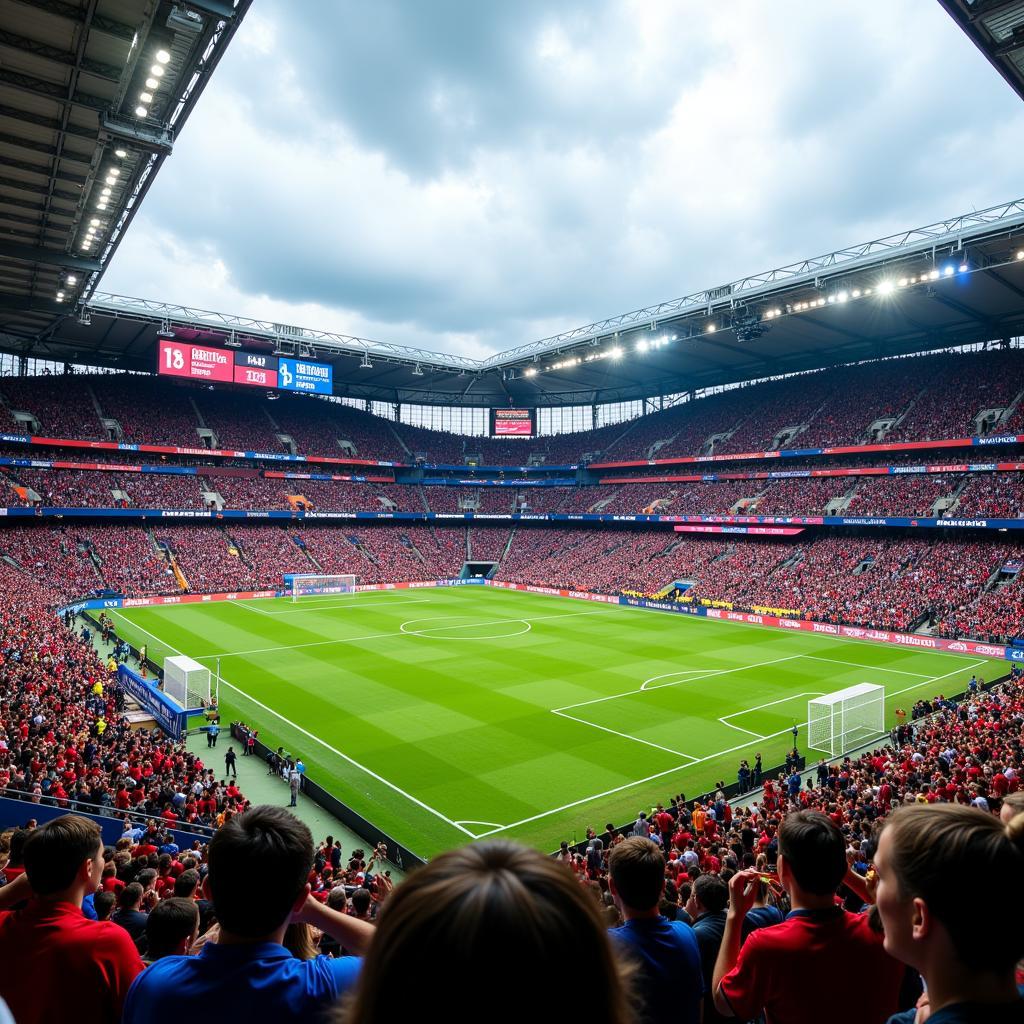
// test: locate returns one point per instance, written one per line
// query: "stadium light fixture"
(365, 363)
(156, 71)
(146, 97)
(641, 345)
(949, 270)
(72, 280)
(933, 275)
(152, 83)
(963, 268)
(615, 353)
(60, 296)
(95, 222)
(162, 56)
(903, 282)
(712, 328)
(886, 287)
(530, 371)
(842, 296)
(110, 179)
(120, 153)
(141, 111)
(417, 370)
(1020, 254)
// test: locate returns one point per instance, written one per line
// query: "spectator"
(103, 905)
(171, 928)
(665, 952)
(1013, 804)
(966, 949)
(496, 925)
(56, 964)
(792, 971)
(259, 863)
(707, 904)
(129, 914)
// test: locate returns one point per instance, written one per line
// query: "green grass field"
(448, 714)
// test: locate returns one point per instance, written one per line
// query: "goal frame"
(312, 584)
(846, 719)
(187, 683)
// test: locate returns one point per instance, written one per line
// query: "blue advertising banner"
(171, 718)
(302, 375)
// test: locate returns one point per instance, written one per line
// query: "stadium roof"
(957, 282)
(92, 94)
(997, 29)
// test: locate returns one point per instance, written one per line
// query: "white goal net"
(187, 682)
(311, 585)
(840, 721)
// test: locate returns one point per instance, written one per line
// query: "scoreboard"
(209, 363)
(512, 422)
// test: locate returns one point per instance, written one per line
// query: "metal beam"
(214, 7)
(50, 90)
(40, 190)
(41, 147)
(35, 254)
(108, 26)
(57, 56)
(47, 122)
(24, 165)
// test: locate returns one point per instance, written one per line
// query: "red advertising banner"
(197, 362)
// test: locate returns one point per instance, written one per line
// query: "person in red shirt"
(791, 972)
(77, 969)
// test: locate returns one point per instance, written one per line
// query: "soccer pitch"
(448, 714)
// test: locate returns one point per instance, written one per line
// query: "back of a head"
(712, 892)
(186, 884)
(337, 898)
(361, 900)
(54, 852)
(814, 850)
(169, 923)
(129, 896)
(967, 866)
(258, 865)
(637, 868)
(497, 925)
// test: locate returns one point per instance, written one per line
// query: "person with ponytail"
(950, 893)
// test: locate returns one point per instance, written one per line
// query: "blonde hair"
(967, 867)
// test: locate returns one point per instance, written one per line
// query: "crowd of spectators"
(906, 495)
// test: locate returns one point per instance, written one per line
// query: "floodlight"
(933, 275)
(162, 56)
(949, 270)
(615, 353)
(641, 345)
(146, 97)
(120, 153)
(95, 222)
(843, 296)
(152, 83)
(963, 268)
(141, 111)
(1020, 254)
(105, 192)
(530, 371)
(712, 328)
(156, 71)
(72, 280)
(885, 287)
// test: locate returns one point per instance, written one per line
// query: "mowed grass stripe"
(464, 724)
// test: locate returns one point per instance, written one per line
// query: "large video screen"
(207, 362)
(513, 422)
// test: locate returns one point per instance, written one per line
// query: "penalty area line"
(316, 739)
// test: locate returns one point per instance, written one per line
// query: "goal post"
(313, 585)
(187, 682)
(839, 722)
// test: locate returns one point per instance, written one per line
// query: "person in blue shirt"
(258, 865)
(669, 981)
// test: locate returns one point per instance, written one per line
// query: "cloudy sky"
(469, 175)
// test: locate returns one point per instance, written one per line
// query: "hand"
(743, 889)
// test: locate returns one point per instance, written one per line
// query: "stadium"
(707, 585)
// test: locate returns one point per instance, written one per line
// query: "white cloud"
(476, 176)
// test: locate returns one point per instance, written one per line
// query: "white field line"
(380, 636)
(625, 735)
(689, 679)
(349, 605)
(317, 739)
(854, 664)
(935, 679)
(782, 700)
(628, 785)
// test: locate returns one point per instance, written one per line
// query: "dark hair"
(103, 904)
(712, 892)
(147, 876)
(185, 884)
(129, 896)
(815, 851)
(361, 900)
(258, 865)
(637, 867)
(169, 922)
(55, 852)
(16, 850)
(497, 923)
(934, 845)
